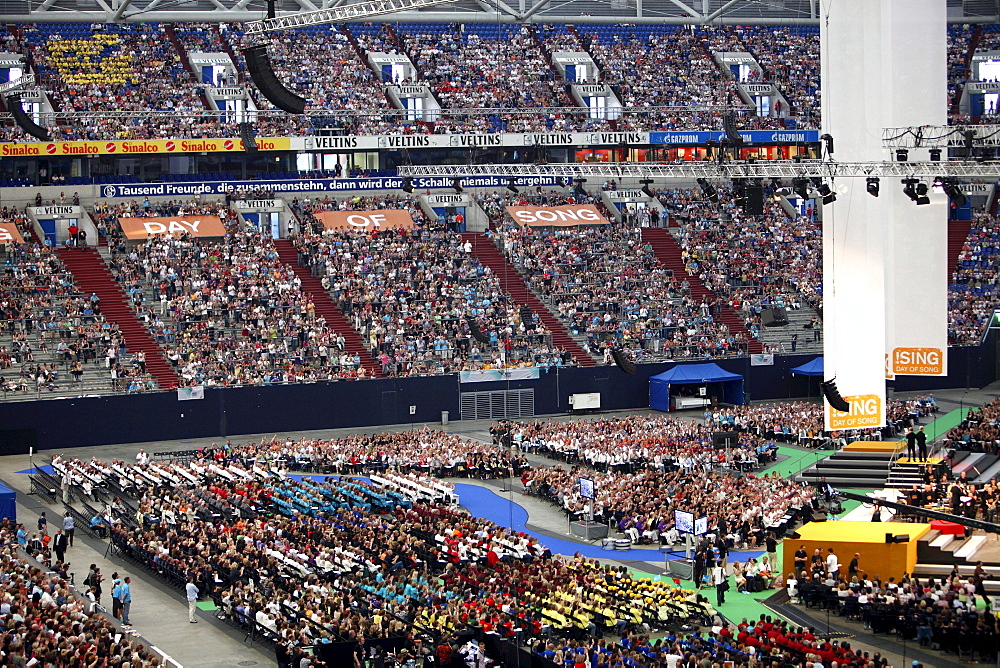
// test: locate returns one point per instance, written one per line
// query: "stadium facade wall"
(225, 412)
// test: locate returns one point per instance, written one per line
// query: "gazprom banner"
(314, 185)
(751, 136)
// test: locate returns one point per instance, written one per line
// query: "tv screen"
(587, 488)
(701, 526)
(684, 521)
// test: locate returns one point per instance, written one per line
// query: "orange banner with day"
(134, 146)
(381, 219)
(10, 234)
(557, 216)
(197, 226)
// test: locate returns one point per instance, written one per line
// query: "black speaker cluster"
(23, 120)
(259, 66)
(622, 361)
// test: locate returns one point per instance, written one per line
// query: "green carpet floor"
(941, 425)
(796, 461)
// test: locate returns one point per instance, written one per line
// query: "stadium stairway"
(326, 307)
(668, 252)
(958, 234)
(93, 276)
(487, 253)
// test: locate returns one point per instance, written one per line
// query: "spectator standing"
(721, 583)
(59, 545)
(771, 546)
(116, 591)
(832, 564)
(853, 568)
(795, 341)
(69, 528)
(911, 443)
(922, 444)
(191, 590)
(125, 600)
(43, 524)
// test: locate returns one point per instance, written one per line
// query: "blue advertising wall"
(225, 412)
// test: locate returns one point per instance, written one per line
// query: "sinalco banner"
(140, 146)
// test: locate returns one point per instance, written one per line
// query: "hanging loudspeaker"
(246, 134)
(267, 83)
(23, 120)
(477, 333)
(622, 361)
(833, 397)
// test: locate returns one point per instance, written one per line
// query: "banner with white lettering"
(382, 219)
(9, 234)
(557, 216)
(197, 226)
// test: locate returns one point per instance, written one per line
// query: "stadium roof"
(694, 12)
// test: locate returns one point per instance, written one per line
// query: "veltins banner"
(196, 226)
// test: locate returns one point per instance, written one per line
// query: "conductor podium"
(589, 530)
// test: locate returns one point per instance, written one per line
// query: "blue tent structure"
(8, 504)
(811, 368)
(722, 384)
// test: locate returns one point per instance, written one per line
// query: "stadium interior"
(478, 333)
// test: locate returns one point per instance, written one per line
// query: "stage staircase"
(668, 252)
(860, 470)
(490, 256)
(93, 276)
(325, 306)
(938, 554)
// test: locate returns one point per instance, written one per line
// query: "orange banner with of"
(9, 234)
(381, 219)
(558, 216)
(197, 226)
(139, 146)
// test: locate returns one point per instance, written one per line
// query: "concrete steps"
(93, 276)
(668, 252)
(486, 252)
(326, 307)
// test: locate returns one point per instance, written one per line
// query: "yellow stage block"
(875, 446)
(867, 538)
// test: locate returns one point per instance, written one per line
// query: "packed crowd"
(741, 509)
(239, 313)
(416, 295)
(753, 262)
(975, 284)
(611, 288)
(630, 444)
(979, 431)
(113, 68)
(47, 622)
(49, 332)
(480, 65)
(942, 613)
(311, 563)
(660, 73)
(789, 57)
